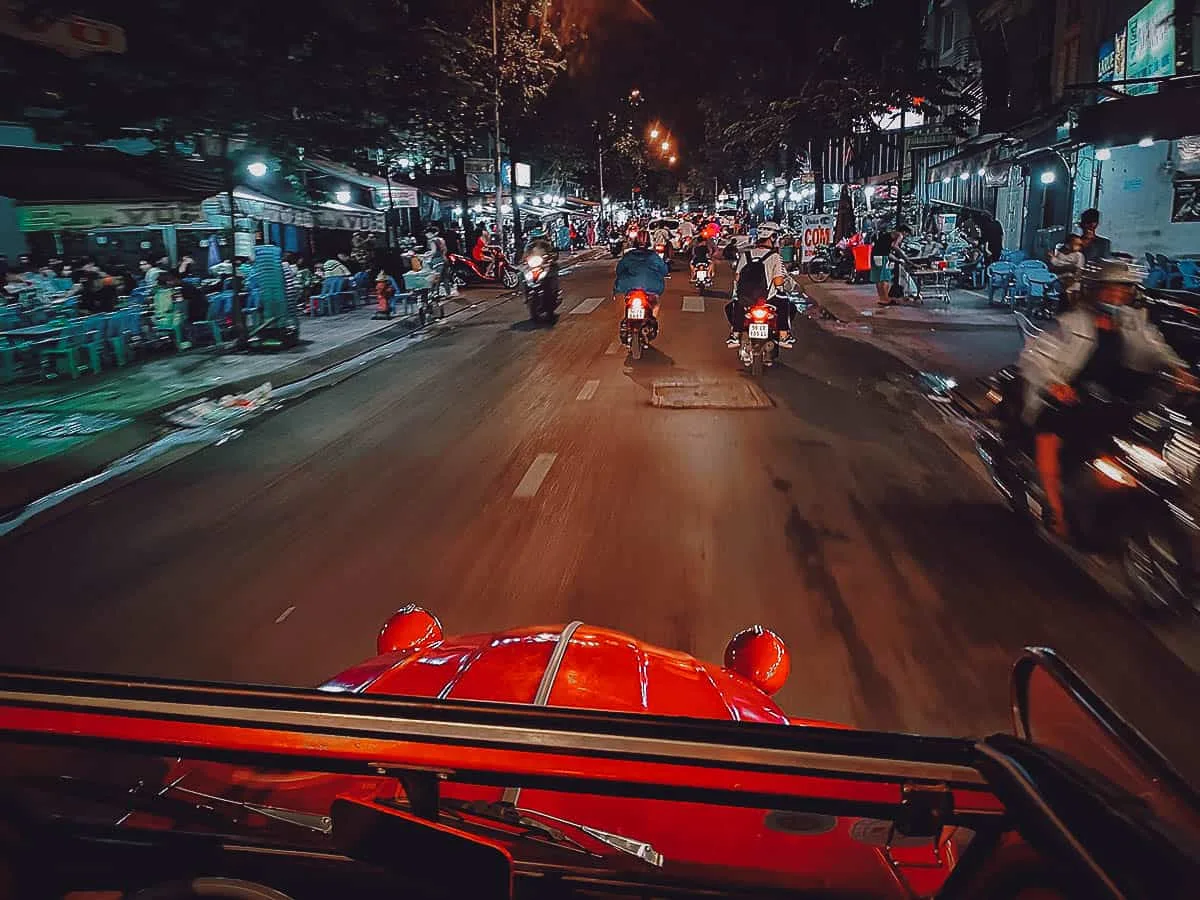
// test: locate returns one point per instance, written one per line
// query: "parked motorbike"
(1129, 495)
(639, 326)
(541, 300)
(702, 278)
(616, 243)
(760, 338)
(464, 271)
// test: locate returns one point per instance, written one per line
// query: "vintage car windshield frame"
(420, 742)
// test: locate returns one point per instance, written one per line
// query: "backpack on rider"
(752, 280)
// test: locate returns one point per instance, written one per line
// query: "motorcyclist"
(641, 269)
(700, 254)
(765, 251)
(662, 238)
(1103, 340)
(541, 247)
(484, 254)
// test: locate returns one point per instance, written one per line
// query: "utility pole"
(499, 157)
(900, 172)
(600, 150)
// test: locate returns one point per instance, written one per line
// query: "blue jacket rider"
(641, 268)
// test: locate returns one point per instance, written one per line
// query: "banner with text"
(815, 231)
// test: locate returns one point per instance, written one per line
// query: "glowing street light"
(257, 169)
(672, 160)
(965, 176)
(1104, 153)
(1048, 177)
(342, 197)
(1146, 142)
(654, 132)
(666, 145)
(547, 199)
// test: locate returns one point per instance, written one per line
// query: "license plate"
(760, 332)
(636, 312)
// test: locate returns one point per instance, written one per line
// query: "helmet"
(769, 231)
(643, 238)
(1112, 271)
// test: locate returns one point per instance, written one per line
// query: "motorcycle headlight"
(1146, 460)
(534, 261)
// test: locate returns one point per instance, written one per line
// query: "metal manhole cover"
(738, 394)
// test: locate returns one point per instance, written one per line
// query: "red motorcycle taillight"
(760, 313)
(636, 299)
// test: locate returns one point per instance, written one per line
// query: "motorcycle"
(464, 271)
(616, 243)
(639, 326)
(1126, 496)
(702, 278)
(759, 347)
(542, 302)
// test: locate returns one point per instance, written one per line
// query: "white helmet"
(769, 231)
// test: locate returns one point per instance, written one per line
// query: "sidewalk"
(55, 433)
(858, 304)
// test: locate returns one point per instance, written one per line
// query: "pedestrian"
(1095, 247)
(992, 234)
(881, 266)
(150, 273)
(385, 293)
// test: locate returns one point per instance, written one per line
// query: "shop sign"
(88, 216)
(342, 220)
(1185, 206)
(1112, 61)
(479, 165)
(1150, 44)
(403, 196)
(71, 35)
(815, 231)
(523, 174)
(216, 211)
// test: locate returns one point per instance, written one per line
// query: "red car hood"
(597, 669)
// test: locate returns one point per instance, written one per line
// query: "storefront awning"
(348, 217)
(346, 173)
(976, 154)
(252, 205)
(1172, 113)
(90, 216)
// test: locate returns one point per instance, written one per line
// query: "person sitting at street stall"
(1067, 262)
(150, 273)
(1102, 341)
(385, 295)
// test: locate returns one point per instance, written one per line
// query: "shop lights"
(965, 176)
(781, 194)
(945, 179)
(342, 197)
(764, 196)
(1146, 142)
(521, 198)
(1048, 177)
(547, 199)
(980, 172)
(1104, 153)
(257, 169)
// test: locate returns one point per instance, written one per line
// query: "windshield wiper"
(509, 814)
(641, 849)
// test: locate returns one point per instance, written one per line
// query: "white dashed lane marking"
(283, 615)
(693, 304)
(535, 475)
(587, 306)
(588, 391)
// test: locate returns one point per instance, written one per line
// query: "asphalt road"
(832, 516)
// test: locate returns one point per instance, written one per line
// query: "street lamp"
(666, 145)
(1048, 177)
(342, 197)
(672, 160)
(1146, 142)
(654, 134)
(257, 169)
(965, 176)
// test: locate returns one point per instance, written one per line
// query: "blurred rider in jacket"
(1103, 340)
(641, 269)
(540, 246)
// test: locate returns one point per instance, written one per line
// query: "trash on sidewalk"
(204, 413)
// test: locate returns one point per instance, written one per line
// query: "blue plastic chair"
(1001, 275)
(1012, 256)
(1190, 270)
